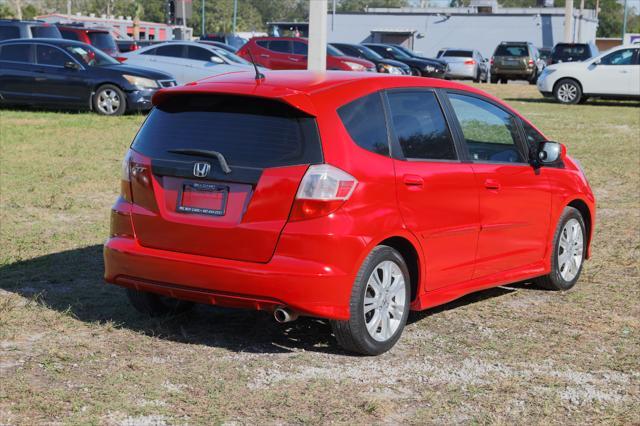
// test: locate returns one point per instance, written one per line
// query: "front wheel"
(109, 100)
(569, 247)
(567, 91)
(379, 304)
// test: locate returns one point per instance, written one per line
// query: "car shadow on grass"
(71, 282)
(595, 102)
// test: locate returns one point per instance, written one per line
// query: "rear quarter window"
(249, 132)
(365, 121)
(8, 32)
(45, 31)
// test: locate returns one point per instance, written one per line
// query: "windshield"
(333, 51)
(231, 57)
(90, 56)
(103, 41)
(397, 53)
(369, 54)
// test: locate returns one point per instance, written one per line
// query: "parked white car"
(187, 61)
(614, 74)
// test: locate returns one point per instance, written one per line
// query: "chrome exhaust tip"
(283, 315)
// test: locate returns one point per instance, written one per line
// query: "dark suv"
(15, 28)
(572, 52)
(516, 61)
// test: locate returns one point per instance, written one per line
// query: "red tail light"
(120, 225)
(125, 178)
(530, 62)
(470, 62)
(120, 58)
(491, 61)
(323, 190)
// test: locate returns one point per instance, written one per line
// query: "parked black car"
(572, 52)
(424, 67)
(14, 28)
(74, 75)
(383, 65)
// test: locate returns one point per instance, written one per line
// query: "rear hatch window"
(512, 50)
(191, 202)
(458, 54)
(45, 31)
(570, 53)
(103, 41)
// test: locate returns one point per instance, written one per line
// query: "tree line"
(254, 14)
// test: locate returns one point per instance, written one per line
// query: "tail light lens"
(324, 188)
(120, 59)
(530, 62)
(470, 62)
(491, 61)
(125, 178)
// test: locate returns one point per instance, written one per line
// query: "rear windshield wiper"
(205, 153)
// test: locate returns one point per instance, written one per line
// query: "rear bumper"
(309, 287)
(524, 73)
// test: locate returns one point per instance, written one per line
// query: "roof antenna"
(259, 75)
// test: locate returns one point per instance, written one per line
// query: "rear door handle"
(492, 184)
(413, 181)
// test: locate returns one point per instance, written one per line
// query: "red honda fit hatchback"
(348, 196)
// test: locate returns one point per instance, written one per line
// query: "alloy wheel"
(108, 101)
(384, 300)
(567, 92)
(570, 249)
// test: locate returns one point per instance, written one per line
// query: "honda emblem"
(201, 169)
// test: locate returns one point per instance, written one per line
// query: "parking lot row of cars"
(76, 66)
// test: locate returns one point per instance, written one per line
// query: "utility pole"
(203, 32)
(235, 15)
(317, 55)
(568, 21)
(624, 21)
(580, 21)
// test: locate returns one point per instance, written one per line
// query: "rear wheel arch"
(409, 252)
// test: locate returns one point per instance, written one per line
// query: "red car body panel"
(290, 61)
(471, 225)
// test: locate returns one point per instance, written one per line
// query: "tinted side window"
(17, 53)
(620, 57)
(198, 54)
(281, 46)
(8, 32)
(350, 51)
(45, 31)
(49, 55)
(263, 43)
(149, 52)
(300, 48)
(174, 51)
(420, 126)
(364, 120)
(489, 132)
(533, 136)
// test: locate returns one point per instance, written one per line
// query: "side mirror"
(70, 65)
(550, 152)
(217, 60)
(597, 62)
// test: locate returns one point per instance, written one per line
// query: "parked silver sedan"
(187, 61)
(467, 64)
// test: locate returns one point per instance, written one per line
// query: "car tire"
(109, 100)
(155, 305)
(567, 91)
(494, 79)
(503, 81)
(376, 323)
(476, 79)
(568, 254)
(416, 72)
(534, 78)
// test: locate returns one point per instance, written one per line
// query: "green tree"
(219, 17)
(362, 5)
(6, 11)
(29, 11)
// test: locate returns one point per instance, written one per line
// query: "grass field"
(73, 351)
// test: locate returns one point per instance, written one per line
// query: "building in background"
(481, 26)
(120, 26)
